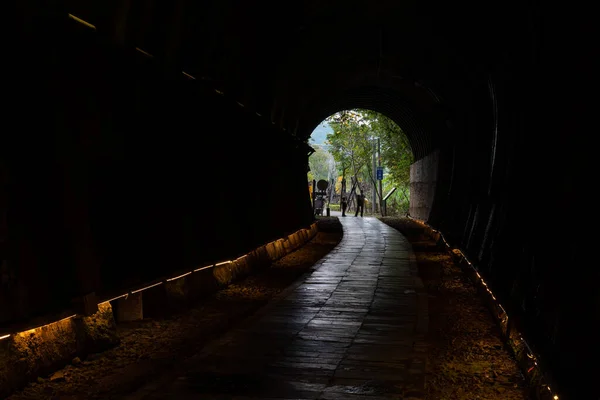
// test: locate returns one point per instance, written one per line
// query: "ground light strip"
(126, 295)
(32, 330)
(503, 317)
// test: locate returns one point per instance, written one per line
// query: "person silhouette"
(344, 206)
(360, 204)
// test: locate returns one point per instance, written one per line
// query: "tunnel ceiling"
(422, 64)
(416, 63)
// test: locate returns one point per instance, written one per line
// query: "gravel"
(466, 356)
(150, 347)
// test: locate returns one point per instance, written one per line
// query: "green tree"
(322, 165)
(350, 144)
(352, 141)
(396, 153)
(396, 157)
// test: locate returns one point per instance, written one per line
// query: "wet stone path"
(352, 328)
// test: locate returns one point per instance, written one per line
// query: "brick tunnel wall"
(120, 173)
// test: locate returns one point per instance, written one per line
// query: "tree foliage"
(350, 143)
(396, 153)
(354, 137)
(322, 165)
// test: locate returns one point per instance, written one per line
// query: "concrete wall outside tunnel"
(423, 179)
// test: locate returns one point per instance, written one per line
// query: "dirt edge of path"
(150, 347)
(466, 356)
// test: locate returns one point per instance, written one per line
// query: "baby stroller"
(319, 205)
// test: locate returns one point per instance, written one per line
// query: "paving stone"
(350, 330)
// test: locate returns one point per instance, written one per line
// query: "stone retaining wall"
(259, 258)
(41, 351)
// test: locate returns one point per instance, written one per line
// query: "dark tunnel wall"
(512, 189)
(110, 157)
(123, 173)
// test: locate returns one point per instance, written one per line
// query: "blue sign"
(379, 173)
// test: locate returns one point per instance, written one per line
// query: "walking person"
(344, 206)
(360, 204)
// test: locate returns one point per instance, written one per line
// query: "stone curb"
(26, 355)
(210, 280)
(41, 351)
(530, 367)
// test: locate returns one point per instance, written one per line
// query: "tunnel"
(146, 137)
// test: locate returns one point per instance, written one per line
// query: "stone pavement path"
(353, 328)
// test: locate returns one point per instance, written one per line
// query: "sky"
(319, 135)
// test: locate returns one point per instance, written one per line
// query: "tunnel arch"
(398, 164)
(420, 131)
(388, 51)
(445, 49)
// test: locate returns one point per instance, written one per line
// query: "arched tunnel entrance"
(147, 138)
(361, 152)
